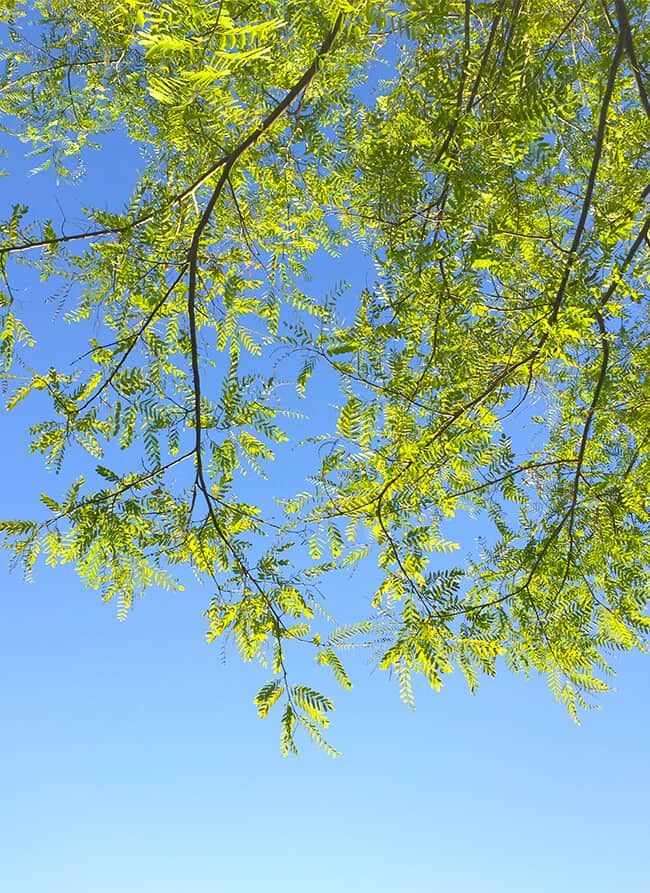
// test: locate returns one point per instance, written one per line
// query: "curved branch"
(226, 161)
(226, 164)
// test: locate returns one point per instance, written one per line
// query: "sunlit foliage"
(488, 161)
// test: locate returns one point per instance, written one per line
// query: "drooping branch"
(604, 343)
(226, 165)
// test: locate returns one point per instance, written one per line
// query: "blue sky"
(132, 758)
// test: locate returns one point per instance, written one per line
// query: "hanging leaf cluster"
(472, 426)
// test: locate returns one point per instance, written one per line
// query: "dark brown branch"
(147, 322)
(394, 548)
(504, 477)
(470, 609)
(61, 240)
(565, 29)
(590, 417)
(627, 260)
(463, 77)
(374, 385)
(226, 161)
(591, 182)
(583, 443)
(628, 43)
(435, 435)
(114, 494)
(226, 165)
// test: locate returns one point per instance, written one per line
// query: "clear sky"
(132, 759)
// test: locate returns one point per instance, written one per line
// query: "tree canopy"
(487, 161)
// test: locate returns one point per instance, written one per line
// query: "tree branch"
(591, 182)
(226, 161)
(147, 322)
(628, 43)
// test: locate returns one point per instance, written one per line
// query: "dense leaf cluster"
(493, 370)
